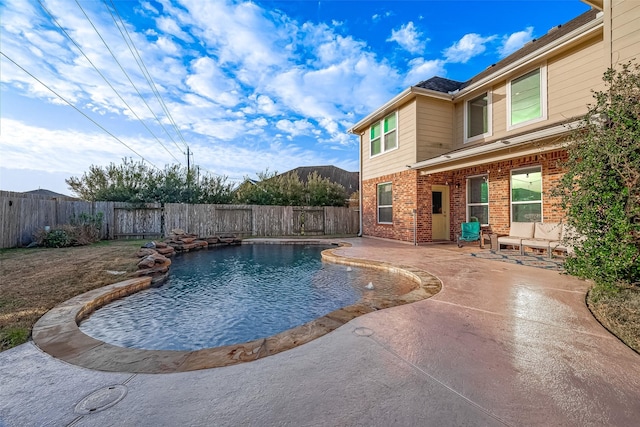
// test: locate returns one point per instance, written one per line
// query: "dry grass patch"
(619, 312)
(36, 280)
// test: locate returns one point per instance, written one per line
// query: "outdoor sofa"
(551, 236)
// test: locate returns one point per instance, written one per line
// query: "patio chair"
(470, 233)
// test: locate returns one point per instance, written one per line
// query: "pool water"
(236, 294)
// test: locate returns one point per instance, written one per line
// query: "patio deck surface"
(501, 344)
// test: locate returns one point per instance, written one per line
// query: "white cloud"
(379, 16)
(408, 37)
(421, 69)
(294, 128)
(515, 41)
(170, 26)
(314, 79)
(208, 80)
(266, 105)
(467, 47)
(70, 151)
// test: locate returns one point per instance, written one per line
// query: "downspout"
(360, 189)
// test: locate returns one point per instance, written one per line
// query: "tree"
(289, 190)
(601, 189)
(135, 182)
(322, 192)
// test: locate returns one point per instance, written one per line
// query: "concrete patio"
(501, 344)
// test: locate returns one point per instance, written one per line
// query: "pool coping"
(58, 334)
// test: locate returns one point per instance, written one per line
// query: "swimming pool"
(236, 294)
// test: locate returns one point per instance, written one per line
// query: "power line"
(102, 75)
(133, 84)
(78, 110)
(147, 75)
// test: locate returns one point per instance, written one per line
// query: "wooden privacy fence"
(23, 215)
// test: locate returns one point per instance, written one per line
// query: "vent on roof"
(557, 27)
(529, 42)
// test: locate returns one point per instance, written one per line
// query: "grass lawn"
(35, 280)
(619, 312)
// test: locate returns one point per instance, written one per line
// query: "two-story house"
(443, 151)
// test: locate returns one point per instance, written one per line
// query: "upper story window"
(527, 98)
(477, 117)
(383, 135)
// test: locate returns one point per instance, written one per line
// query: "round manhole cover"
(363, 332)
(101, 399)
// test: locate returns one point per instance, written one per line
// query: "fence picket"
(21, 217)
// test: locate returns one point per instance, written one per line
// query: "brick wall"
(404, 189)
(412, 190)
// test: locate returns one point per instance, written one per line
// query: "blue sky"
(247, 86)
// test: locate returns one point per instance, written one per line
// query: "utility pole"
(188, 160)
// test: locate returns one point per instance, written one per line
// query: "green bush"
(56, 238)
(601, 189)
(83, 229)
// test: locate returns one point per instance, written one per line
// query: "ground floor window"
(478, 199)
(385, 201)
(526, 194)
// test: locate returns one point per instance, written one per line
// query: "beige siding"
(625, 31)
(458, 123)
(498, 111)
(398, 159)
(570, 79)
(435, 121)
(571, 76)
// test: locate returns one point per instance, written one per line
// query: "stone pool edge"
(58, 334)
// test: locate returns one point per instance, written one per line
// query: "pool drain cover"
(101, 399)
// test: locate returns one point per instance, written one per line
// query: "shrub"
(56, 238)
(83, 230)
(601, 189)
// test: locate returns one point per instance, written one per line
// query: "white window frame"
(378, 205)
(489, 131)
(468, 204)
(383, 135)
(511, 202)
(543, 98)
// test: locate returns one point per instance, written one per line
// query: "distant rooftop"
(349, 180)
(46, 193)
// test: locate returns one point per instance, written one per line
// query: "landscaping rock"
(143, 252)
(167, 251)
(151, 260)
(149, 245)
(146, 262)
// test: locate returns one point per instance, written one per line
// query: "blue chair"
(470, 233)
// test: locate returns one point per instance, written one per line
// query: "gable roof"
(349, 180)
